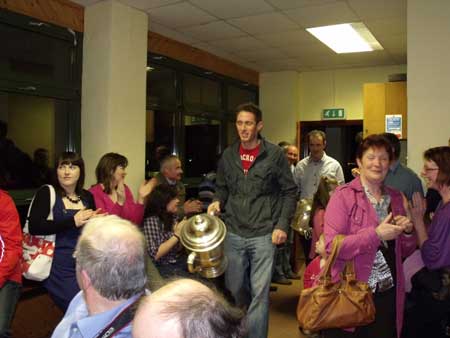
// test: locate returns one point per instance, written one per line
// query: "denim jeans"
(250, 263)
(9, 295)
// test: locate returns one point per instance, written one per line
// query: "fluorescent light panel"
(346, 38)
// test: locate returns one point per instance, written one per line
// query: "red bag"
(38, 251)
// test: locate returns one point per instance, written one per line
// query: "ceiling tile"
(180, 15)
(287, 39)
(227, 9)
(307, 49)
(379, 9)
(374, 58)
(266, 54)
(214, 31)
(322, 15)
(218, 52)
(387, 26)
(264, 23)
(147, 4)
(398, 42)
(239, 44)
(170, 33)
(290, 4)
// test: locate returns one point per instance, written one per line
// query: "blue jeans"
(250, 263)
(9, 295)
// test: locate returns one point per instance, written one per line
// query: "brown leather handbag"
(344, 304)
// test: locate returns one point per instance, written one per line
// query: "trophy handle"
(190, 263)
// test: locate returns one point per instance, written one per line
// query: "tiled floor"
(283, 304)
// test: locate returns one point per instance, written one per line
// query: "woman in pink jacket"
(378, 234)
(112, 195)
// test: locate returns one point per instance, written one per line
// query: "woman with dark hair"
(378, 235)
(73, 207)
(325, 189)
(112, 194)
(431, 285)
(162, 232)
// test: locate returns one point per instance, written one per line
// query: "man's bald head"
(111, 251)
(186, 309)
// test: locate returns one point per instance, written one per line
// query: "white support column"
(428, 77)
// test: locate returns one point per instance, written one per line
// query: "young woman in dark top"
(73, 207)
(162, 232)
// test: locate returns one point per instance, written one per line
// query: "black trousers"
(306, 245)
(384, 325)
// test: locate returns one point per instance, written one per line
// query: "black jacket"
(253, 204)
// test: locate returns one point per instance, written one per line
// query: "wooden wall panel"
(59, 12)
(162, 45)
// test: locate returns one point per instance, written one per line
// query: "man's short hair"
(395, 143)
(166, 161)
(250, 108)
(198, 311)
(317, 133)
(283, 144)
(112, 252)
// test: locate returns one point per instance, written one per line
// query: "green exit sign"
(333, 114)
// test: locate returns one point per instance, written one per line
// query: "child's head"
(325, 189)
(320, 247)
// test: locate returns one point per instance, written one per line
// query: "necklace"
(74, 200)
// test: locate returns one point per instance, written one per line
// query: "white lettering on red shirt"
(248, 156)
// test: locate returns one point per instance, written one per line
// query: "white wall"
(341, 88)
(428, 77)
(278, 99)
(288, 97)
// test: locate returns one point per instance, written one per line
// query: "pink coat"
(131, 211)
(349, 212)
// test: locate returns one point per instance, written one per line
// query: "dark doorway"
(341, 141)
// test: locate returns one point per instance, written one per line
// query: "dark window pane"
(160, 87)
(29, 141)
(201, 93)
(202, 140)
(160, 130)
(237, 95)
(34, 57)
(232, 134)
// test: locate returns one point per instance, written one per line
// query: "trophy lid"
(202, 233)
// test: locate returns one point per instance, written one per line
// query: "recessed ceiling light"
(346, 38)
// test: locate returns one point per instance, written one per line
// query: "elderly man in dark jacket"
(256, 194)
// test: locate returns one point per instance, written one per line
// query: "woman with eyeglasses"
(113, 195)
(431, 284)
(73, 207)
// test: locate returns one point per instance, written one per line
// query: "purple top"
(130, 210)
(436, 249)
(350, 213)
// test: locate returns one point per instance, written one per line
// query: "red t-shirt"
(247, 157)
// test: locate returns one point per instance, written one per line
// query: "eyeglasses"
(429, 169)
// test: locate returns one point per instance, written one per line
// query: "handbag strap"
(337, 242)
(52, 204)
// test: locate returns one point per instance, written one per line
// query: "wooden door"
(374, 108)
(396, 102)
